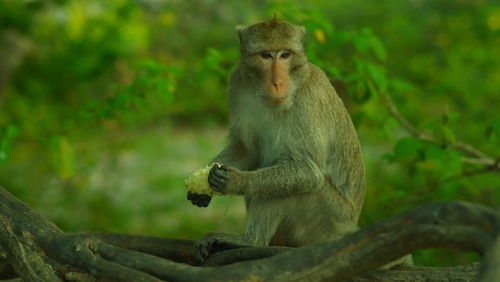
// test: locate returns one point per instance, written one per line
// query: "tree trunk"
(34, 249)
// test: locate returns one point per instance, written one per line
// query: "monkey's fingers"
(201, 203)
(218, 177)
(200, 200)
(217, 184)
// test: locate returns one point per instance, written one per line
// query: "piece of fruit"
(197, 182)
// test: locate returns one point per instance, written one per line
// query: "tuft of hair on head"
(274, 22)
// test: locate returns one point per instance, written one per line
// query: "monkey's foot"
(212, 243)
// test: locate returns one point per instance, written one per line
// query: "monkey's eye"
(266, 55)
(285, 55)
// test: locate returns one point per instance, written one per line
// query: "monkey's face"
(272, 72)
(272, 54)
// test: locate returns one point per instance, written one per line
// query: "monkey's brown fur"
(292, 150)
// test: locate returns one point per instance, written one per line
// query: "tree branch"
(39, 251)
(455, 273)
(176, 250)
(243, 254)
(475, 155)
(24, 255)
(6, 270)
(490, 270)
(450, 225)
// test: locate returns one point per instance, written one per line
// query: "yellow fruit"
(197, 182)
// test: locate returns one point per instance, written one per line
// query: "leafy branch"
(474, 155)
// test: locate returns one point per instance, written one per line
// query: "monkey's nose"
(278, 87)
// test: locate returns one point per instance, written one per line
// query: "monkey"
(292, 149)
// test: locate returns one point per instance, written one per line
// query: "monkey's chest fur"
(265, 132)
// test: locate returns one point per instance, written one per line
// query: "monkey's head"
(273, 58)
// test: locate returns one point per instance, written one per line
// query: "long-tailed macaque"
(292, 149)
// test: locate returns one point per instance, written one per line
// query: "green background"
(107, 106)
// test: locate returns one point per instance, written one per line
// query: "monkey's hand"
(224, 179)
(200, 200)
(198, 189)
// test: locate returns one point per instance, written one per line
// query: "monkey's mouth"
(276, 100)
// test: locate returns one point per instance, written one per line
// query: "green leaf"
(493, 132)
(212, 58)
(452, 164)
(378, 75)
(433, 152)
(361, 43)
(401, 85)
(406, 148)
(448, 135)
(333, 70)
(388, 157)
(378, 48)
(361, 92)
(371, 89)
(442, 162)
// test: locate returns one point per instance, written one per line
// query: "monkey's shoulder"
(318, 79)
(318, 93)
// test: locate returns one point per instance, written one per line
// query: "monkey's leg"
(264, 214)
(263, 217)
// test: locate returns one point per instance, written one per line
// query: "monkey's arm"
(235, 155)
(288, 178)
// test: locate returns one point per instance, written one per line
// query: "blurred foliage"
(105, 106)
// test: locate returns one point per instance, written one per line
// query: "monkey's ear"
(239, 30)
(302, 33)
(240, 27)
(302, 30)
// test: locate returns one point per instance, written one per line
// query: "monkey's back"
(344, 161)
